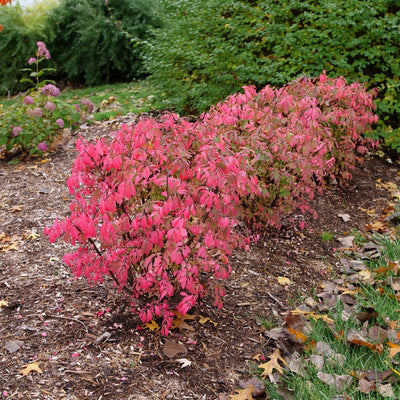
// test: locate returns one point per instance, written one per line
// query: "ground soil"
(88, 347)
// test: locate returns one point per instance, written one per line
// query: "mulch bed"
(88, 347)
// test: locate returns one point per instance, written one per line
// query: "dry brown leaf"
(28, 235)
(272, 364)
(15, 209)
(3, 303)
(365, 386)
(171, 348)
(300, 336)
(390, 186)
(13, 345)
(204, 320)
(313, 315)
(152, 326)
(340, 382)
(377, 334)
(30, 368)
(376, 226)
(394, 349)
(386, 390)
(393, 266)
(365, 275)
(284, 281)
(243, 394)
(179, 321)
(376, 376)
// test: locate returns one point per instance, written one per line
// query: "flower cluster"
(50, 90)
(157, 207)
(31, 124)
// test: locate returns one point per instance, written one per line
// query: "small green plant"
(326, 236)
(32, 121)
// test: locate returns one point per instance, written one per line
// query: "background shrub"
(94, 42)
(210, 49)
(17, 43)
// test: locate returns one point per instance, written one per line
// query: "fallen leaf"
(365, 275)
(259, 388)
(345, 217)
(390, 186)
(204, 320)
(171, 348)
(377, 334)
(376, 376)
(243, 394)
(318, 361)
(340, 382)
(300, 336)
(30, 368)
(152, 326)
(386, 390)
(284, 281)
(365, 386)
(179, 321)
(394, 349)
(346, 241)
(272, 364)
(15, 209)
(3, 303)
(185, 362)
(28, 235)
(376, 226)
(13, 345)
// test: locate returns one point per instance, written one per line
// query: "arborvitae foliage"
(211, 49)
(96, 41)
(17, 44)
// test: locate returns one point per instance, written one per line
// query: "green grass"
(326, 236)
(377, 295)
(111, 100)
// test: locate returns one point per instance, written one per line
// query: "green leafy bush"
(95, 42)
(32, 121)
(17, 43)
(210, 49)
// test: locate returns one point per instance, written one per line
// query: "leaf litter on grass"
(343, 338)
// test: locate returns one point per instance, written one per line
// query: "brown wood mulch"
(86, 346)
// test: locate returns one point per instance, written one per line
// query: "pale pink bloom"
(50, 106)
(42, 146)
(42, 51)
(50, 90)
(31, 60)
(88, 104)
(16, 130)
(60, 123)
(28, 100)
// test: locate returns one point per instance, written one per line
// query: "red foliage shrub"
(157, 207)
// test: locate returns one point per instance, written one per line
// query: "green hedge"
(210, 49)
(93, 41)
(17, 44)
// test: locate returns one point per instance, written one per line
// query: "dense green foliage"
(17, 43)
(94, 42)
(211, 49)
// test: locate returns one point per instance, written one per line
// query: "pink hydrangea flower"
(88, 104)
(28, 100)
(50, 106)
(36, 112)
(60, 123)
(42, 50)
(42, 146)
(50, 90)
(16, 130)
